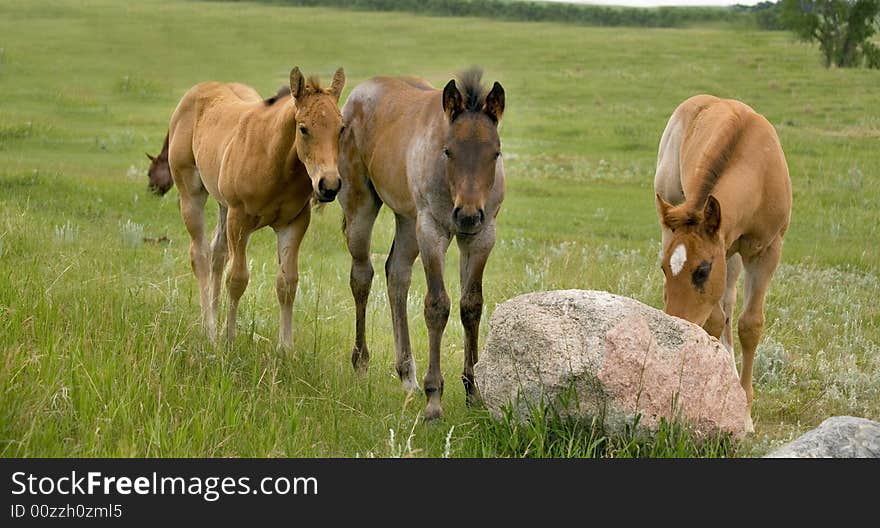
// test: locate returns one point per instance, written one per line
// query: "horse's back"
(244, 92)
(725, 148)
(757, 180)
(752, 171)
(382, 101)
(387, 117)
(668, 179)
(417, 82)
(201, 126)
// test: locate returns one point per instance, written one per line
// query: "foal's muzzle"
(468, 219)
(328, 188)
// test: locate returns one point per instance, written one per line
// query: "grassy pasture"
(102, 354)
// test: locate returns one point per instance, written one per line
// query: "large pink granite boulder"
(596, 354)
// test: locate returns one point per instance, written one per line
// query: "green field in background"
(102, 353)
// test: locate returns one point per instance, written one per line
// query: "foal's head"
(471, 148)
(318, 127)
(159, 173)
(694, 260)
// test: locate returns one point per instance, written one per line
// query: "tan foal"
(263, 161)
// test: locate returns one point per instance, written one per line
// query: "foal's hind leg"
(192, 209)
(759, 271)
(398, 274)
(219, 253)
(239, 227)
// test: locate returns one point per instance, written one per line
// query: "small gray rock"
(836, 437)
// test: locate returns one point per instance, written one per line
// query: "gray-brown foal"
(433, 157)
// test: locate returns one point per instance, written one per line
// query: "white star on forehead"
(677, 260)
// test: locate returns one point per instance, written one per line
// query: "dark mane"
(710, 166)
(313, 85)
(284, 91)
(472, 91)
(682, 217)
(716, 154)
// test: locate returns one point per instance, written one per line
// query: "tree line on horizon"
(576, 14)
(845, 30)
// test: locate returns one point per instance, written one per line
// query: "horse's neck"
(282, 135)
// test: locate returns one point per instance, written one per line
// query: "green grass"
(102, 354)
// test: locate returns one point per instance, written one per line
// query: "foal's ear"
(338, 83)
(712, 216)
(662, 208)
(151, 158)
(453, 104)
(297, 83)
(494, 105)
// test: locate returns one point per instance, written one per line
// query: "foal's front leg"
(289, 238)
(719, 323)
(433, 243)
(474, 254)
(728, 303)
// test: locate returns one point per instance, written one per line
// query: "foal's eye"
(303, 130)
(701, 274)
(446, 152)
(497, 155)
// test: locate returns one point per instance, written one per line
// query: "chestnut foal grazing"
(724, 204)
(433, 157)
(262, 161)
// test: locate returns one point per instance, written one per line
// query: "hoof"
(474, 401)
(433, 413)
(407, 375)
(360, 359)
(472, 393)
(410, 386)
(212, 333)
(284, 348)
(285, 342)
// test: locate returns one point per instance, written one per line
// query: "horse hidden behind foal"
(263, 161)
(723, 197)
(159, 173)
(433, 157)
